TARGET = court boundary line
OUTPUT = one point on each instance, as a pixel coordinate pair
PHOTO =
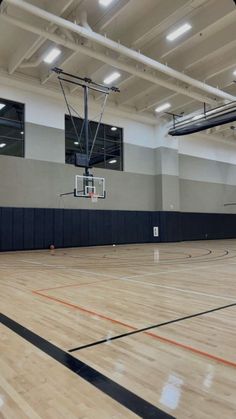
(112, 389)
(145, 331)
(84, 310)
(167, 340)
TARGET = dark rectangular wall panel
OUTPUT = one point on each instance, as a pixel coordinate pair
(58, 228)
(170, 226)
(29, 221)
(48, 227)
(155, 222)
(39, 228)
(18, 229)
(6, 229)
(29, 228)
(67, 228)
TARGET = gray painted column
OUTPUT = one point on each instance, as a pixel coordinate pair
(167, 179)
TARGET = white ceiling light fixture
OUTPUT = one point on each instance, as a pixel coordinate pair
(22, 132)
(113, 161)
(113, 128)
(76, 143)
(113, 76)
(105, 3)
(2, 145)
(234, 73)
(178, 32)
(52, 55)
(2, 105)
(163, 107)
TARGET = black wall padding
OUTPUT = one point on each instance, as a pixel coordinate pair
(170, 226)
(202, 226)
(37, 228)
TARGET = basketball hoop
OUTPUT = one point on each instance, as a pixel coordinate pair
(93, 197)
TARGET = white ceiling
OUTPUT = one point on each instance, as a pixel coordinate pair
(205, 53)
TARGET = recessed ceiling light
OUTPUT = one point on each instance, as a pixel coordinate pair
(163, 107)
(76, 143)
(105, 2)
(113, 76)
(178, 32)
(52, 55)
(113, 128)
(113, 161)
(2, 105)
(2, 145)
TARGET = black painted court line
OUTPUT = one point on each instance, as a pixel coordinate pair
(112, 389)
(144, 329)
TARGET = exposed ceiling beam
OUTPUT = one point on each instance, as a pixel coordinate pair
(133, 91)
(206, 17)
(150, 27)
(161, 18)
(214, 66)
(112, 14)
(31, 84)
(143, 74)
(108, 43)
(32, 44)
(213, 46)
(205, 24)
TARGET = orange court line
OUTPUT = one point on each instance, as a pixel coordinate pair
(153, 335)
(93, 313)
(74, 285)
(194, 350)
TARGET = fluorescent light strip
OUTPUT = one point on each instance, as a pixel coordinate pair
(113, 76)
(2, 145)
(2, 105)
(52, 55)
(178, 32)
(163, 107)
(105, 2)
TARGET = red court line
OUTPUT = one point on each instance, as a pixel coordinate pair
(75, 285)
(153, 335)
(194, 350)
(93, 313)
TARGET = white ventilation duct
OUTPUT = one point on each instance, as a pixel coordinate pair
(120, 49)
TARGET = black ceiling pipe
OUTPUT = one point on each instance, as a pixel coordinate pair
(203, 124)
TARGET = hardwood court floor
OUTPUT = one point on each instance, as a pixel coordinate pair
(82, 299)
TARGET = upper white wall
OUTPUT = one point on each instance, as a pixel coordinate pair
(200, 145)
(41, 109)
(197, 145)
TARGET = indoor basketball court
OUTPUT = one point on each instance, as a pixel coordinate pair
(117, 209)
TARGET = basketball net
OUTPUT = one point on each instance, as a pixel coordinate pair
(93, 197)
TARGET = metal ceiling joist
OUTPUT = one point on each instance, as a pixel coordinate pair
(123, 50)
(113, 62)
(31, 84)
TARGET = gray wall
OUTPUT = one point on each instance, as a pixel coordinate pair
(153, 179)
(206, 185)
(44, 143)
(34, 183)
